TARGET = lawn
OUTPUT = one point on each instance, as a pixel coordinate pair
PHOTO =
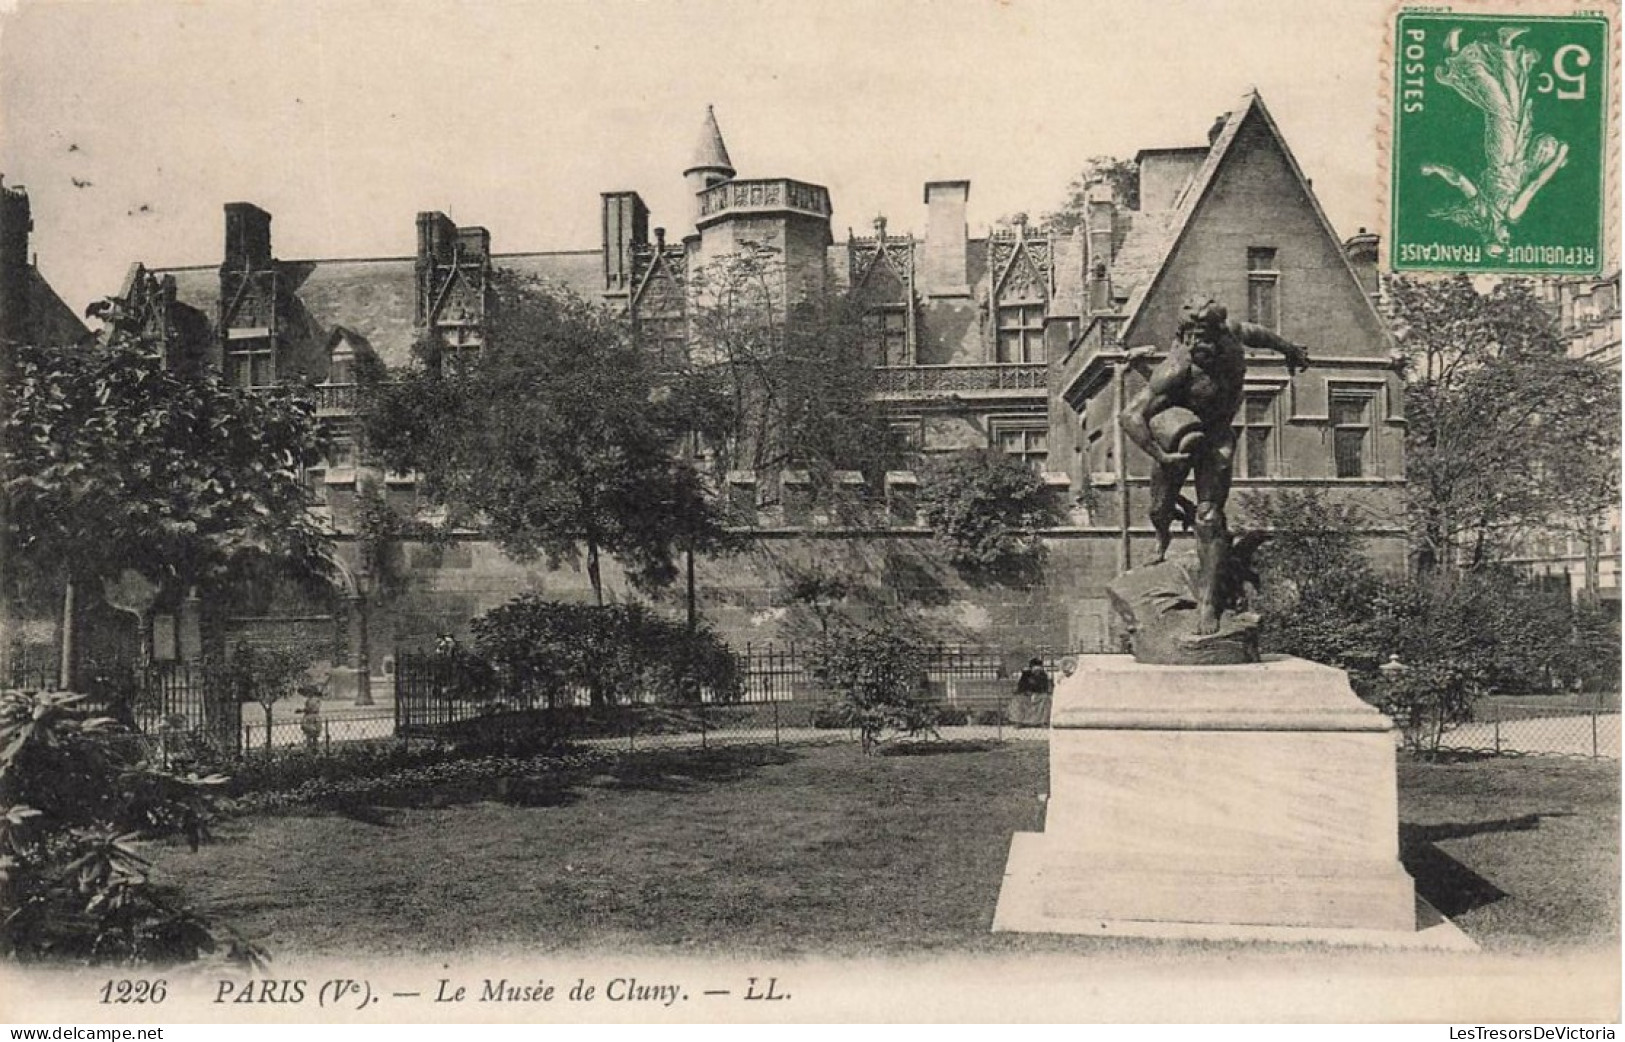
(823, 851)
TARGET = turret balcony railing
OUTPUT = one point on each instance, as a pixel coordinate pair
(961, 379)
(774, 195)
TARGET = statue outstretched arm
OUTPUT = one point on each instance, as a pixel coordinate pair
(1297, 356)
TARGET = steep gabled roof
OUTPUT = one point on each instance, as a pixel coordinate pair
(1190, 200)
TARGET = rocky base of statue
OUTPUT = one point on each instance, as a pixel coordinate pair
(1156, 605)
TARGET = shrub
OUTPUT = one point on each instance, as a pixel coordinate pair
(1425, 701)
(614, 652)
(879, 672)
(77, 797)
(953, 716)
(987, 508)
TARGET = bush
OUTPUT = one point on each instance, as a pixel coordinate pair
(77, 797)
(1425, 701)
(953, 716)
(880, 674)
(987, 508)
(614, 652)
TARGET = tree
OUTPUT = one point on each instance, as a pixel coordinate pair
(1505, 434)
(1317, 589)
(787, 372)
(1123, 175)
(987, 508)
(879, 672)
(113, 462)
(560, 438)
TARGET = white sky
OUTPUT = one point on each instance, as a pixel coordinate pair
(344, 119)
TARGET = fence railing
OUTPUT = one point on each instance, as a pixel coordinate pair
(435, 692)
(163, 700)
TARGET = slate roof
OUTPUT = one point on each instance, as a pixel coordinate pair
(377, 298)
(49, 317)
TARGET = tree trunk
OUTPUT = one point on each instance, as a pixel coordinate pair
(693, 610)
(64, 677)
(593, 575)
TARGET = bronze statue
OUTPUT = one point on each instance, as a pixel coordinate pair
(1182, 419)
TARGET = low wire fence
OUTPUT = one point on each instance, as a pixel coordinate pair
(1532, 729)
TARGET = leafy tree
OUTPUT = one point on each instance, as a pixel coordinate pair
(987, 508)
(613, 652)
(561, 437)
(1506, 435)
(1122, 174)
(1317, 589)
(75, 798)
(879, 672)
(113, 462)
(266, 675)
(787, 373)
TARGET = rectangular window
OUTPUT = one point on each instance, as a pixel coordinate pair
(1021, 333)
(666, 338)
(1351, 433)
(886, 330)
(1255, 429)
(251, 362)
(1027, 443)
(1263, 288)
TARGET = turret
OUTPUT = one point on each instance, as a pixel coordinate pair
(710, 165)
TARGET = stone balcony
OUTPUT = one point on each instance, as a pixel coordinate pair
(773, 195)
(1001, 379)
(334, 399)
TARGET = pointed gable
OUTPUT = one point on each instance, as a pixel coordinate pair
(1250, 193)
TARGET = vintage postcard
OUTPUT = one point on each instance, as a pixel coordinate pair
(1008, 511)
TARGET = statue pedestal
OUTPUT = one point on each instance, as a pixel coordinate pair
(1250, 801)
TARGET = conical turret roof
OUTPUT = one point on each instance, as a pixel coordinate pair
(709, 152)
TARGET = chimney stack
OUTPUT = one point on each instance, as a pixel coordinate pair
(248, 237)
(946, 236)
(1361, 250)
(625, 228)
(16, 221)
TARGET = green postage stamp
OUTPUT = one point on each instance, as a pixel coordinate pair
(1501, 143)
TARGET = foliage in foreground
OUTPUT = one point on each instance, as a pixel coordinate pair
(77, 798)
(879, 674)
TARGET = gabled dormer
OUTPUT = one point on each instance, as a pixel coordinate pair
(252, 302)
(453, 282)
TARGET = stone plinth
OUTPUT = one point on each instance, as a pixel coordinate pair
(1255, 800)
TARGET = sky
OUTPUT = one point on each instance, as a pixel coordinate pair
(131, 124)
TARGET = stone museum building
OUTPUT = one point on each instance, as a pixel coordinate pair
(1010, 338)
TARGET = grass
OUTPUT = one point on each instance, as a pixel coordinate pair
(822, 851)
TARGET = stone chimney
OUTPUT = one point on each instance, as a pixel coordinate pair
(1361, 250)
(16, 222)
(1100, 223)
(946, 238)
(473, 243)
(625, 228)
(437, 241)
(248, 237)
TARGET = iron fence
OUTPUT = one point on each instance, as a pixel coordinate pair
(172, 704)
(437, 695)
